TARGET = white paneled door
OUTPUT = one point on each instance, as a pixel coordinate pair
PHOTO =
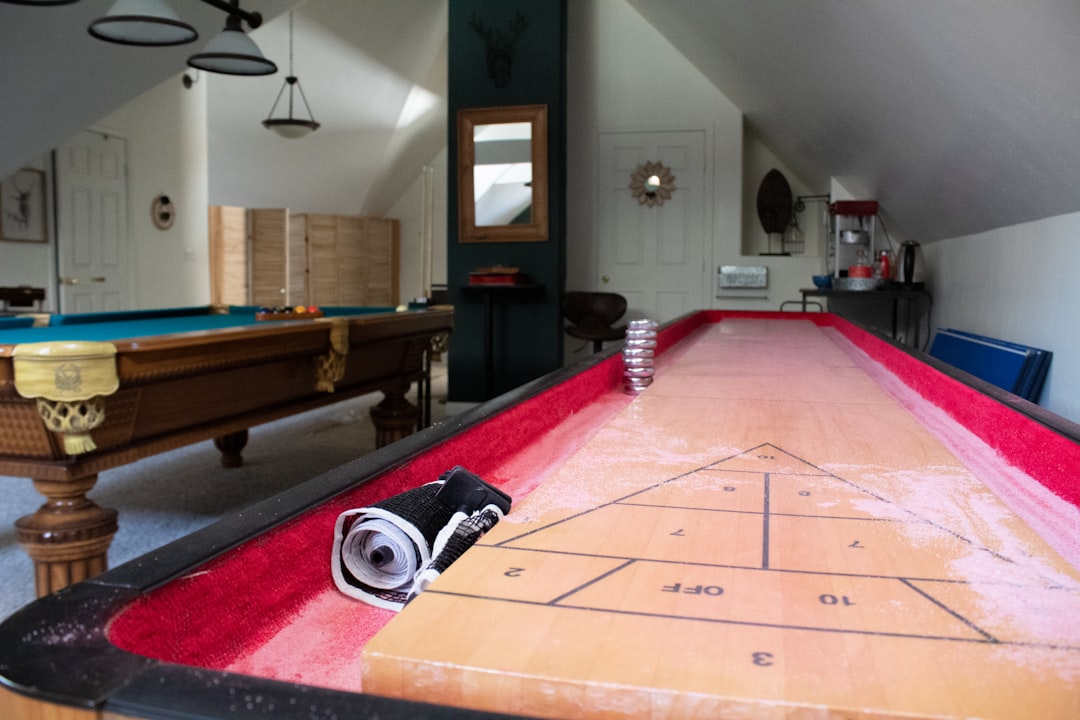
(93, 249)
(654, 256)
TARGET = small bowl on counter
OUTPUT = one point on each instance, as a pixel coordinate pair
(823, 281)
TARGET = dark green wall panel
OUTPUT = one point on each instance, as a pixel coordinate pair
(527, 327)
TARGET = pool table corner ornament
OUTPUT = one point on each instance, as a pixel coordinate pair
(437, 345)
(70, 381)
(331, 366)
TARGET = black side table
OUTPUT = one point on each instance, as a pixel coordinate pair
(494, 294)
(911, 297)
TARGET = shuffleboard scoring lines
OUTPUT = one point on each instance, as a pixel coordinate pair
(761, 468)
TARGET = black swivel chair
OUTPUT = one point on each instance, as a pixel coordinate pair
(592, 316)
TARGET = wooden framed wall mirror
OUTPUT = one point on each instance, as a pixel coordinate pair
(502, 174)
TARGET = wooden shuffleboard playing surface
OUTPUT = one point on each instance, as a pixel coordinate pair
(768, 530)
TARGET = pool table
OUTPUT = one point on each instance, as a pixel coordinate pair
(242, 618)
(82, 393)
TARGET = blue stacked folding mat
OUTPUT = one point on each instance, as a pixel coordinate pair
(1017, 368)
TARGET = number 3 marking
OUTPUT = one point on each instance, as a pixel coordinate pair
(764, 659)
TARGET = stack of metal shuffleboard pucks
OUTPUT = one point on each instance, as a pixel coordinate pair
(638, 352)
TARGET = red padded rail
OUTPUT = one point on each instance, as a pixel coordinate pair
(200, 619)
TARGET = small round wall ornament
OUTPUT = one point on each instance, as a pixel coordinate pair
(162, 212)
(651, 184)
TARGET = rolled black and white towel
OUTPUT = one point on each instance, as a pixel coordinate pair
(387, 553)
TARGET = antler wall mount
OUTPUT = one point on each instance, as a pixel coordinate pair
(500, 46)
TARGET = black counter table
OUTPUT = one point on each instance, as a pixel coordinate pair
(917, 302)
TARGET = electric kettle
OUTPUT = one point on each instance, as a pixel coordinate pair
(909, 251)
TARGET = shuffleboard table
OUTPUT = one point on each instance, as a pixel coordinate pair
(798, 518)
(86, 392)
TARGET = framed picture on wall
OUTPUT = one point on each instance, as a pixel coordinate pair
(22, 206)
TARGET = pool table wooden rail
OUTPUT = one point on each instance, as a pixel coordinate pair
(188, 387)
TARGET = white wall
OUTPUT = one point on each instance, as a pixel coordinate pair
(623, 75)
(165, 130)
(786, 274)
(167, 151)
(34, 264)
(1017, 284)
(758, 160)
(409, 209)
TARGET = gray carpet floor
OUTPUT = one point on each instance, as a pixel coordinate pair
(167, 496)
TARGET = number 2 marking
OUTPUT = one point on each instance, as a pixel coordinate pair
(514, 572)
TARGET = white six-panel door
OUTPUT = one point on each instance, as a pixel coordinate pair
(93, 249)
(654, 256)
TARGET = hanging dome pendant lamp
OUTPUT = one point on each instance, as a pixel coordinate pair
(290, 127)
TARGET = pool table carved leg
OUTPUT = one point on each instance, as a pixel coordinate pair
(394, 417)
(68, 537)
(231, 446)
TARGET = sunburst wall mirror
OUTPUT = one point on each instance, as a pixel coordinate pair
(652, 184)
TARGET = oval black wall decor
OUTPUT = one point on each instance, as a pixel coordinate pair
(774, 201)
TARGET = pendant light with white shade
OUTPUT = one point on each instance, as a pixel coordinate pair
(142, 22)
(232, 53)
(291, 127)
(154, 23)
